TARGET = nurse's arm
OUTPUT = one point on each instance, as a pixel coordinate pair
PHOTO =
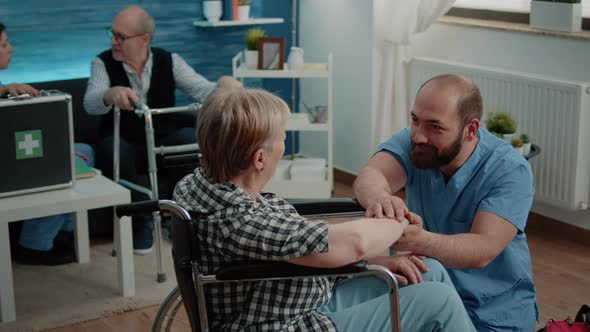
(376, 185)
(489, 235)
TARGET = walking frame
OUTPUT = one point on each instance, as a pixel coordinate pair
(144, 111)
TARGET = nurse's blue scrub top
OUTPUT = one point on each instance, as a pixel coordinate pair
(496, 179)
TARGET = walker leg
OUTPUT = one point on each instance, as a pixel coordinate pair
(158, 244)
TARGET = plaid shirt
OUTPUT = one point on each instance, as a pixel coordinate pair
(236, 228)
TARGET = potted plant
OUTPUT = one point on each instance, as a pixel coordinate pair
(501, 124)
(251, 52)
(526, 144)
(212, 10)
(517, 144)
(243, 10)
(561, 15)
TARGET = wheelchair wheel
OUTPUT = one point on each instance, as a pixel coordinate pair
(172, 316)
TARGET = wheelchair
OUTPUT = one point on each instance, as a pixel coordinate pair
(184, 309)
(152, 192)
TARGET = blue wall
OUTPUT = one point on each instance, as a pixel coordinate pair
(56, 40)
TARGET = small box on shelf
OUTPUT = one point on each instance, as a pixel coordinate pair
(308, 169)
(299, 119)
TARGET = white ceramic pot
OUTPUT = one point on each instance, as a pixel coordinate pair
(295, 59)
(526, 147)
(508, 137)
(244, 13)
(556, 16)
(212, 10)
(520, 150)
(251, 59)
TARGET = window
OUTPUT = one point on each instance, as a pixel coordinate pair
(513, 6)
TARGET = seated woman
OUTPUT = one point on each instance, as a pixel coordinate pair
(241, 133)
(38, 235)
(14, 89)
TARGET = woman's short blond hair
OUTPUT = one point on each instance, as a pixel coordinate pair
(232, 124)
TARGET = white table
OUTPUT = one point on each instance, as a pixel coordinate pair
(90, 193)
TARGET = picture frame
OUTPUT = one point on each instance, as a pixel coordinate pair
(271, 53)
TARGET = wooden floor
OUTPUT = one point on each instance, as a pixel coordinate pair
(561, 268)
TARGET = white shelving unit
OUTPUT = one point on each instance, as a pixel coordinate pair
(252, 21)
(299, 188)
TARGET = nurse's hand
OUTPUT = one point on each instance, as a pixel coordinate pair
(413, 239)
(404, 267)
(387, 206)
(415, 219)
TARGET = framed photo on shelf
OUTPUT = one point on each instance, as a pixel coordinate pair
(271, 53)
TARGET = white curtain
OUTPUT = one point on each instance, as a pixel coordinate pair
(396, 21)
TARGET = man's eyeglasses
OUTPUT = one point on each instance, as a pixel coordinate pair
(119, 37)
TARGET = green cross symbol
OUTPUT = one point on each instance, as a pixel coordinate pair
(29, 144)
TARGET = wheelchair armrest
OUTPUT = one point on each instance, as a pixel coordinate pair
(144, 207)
(132, 209)
(271, 269)
(330, 207)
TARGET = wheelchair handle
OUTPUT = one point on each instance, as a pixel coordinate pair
(132, 209)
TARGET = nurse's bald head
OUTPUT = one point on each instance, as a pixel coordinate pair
(469, 104)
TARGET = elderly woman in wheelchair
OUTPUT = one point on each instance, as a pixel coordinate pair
(241, 135)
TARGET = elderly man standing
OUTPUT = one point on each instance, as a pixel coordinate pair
(132, 72)
(473, 192)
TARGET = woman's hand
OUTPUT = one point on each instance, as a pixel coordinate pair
(17, 89)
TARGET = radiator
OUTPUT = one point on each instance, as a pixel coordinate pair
(555, 113)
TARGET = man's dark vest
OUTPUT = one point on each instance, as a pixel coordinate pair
(160, 94)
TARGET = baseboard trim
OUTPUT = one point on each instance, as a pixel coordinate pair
(538, 224)
(578, 218)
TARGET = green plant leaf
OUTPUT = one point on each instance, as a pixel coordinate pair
(501, 122)
(252, 37)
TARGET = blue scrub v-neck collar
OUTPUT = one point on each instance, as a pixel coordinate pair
(458, 181)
